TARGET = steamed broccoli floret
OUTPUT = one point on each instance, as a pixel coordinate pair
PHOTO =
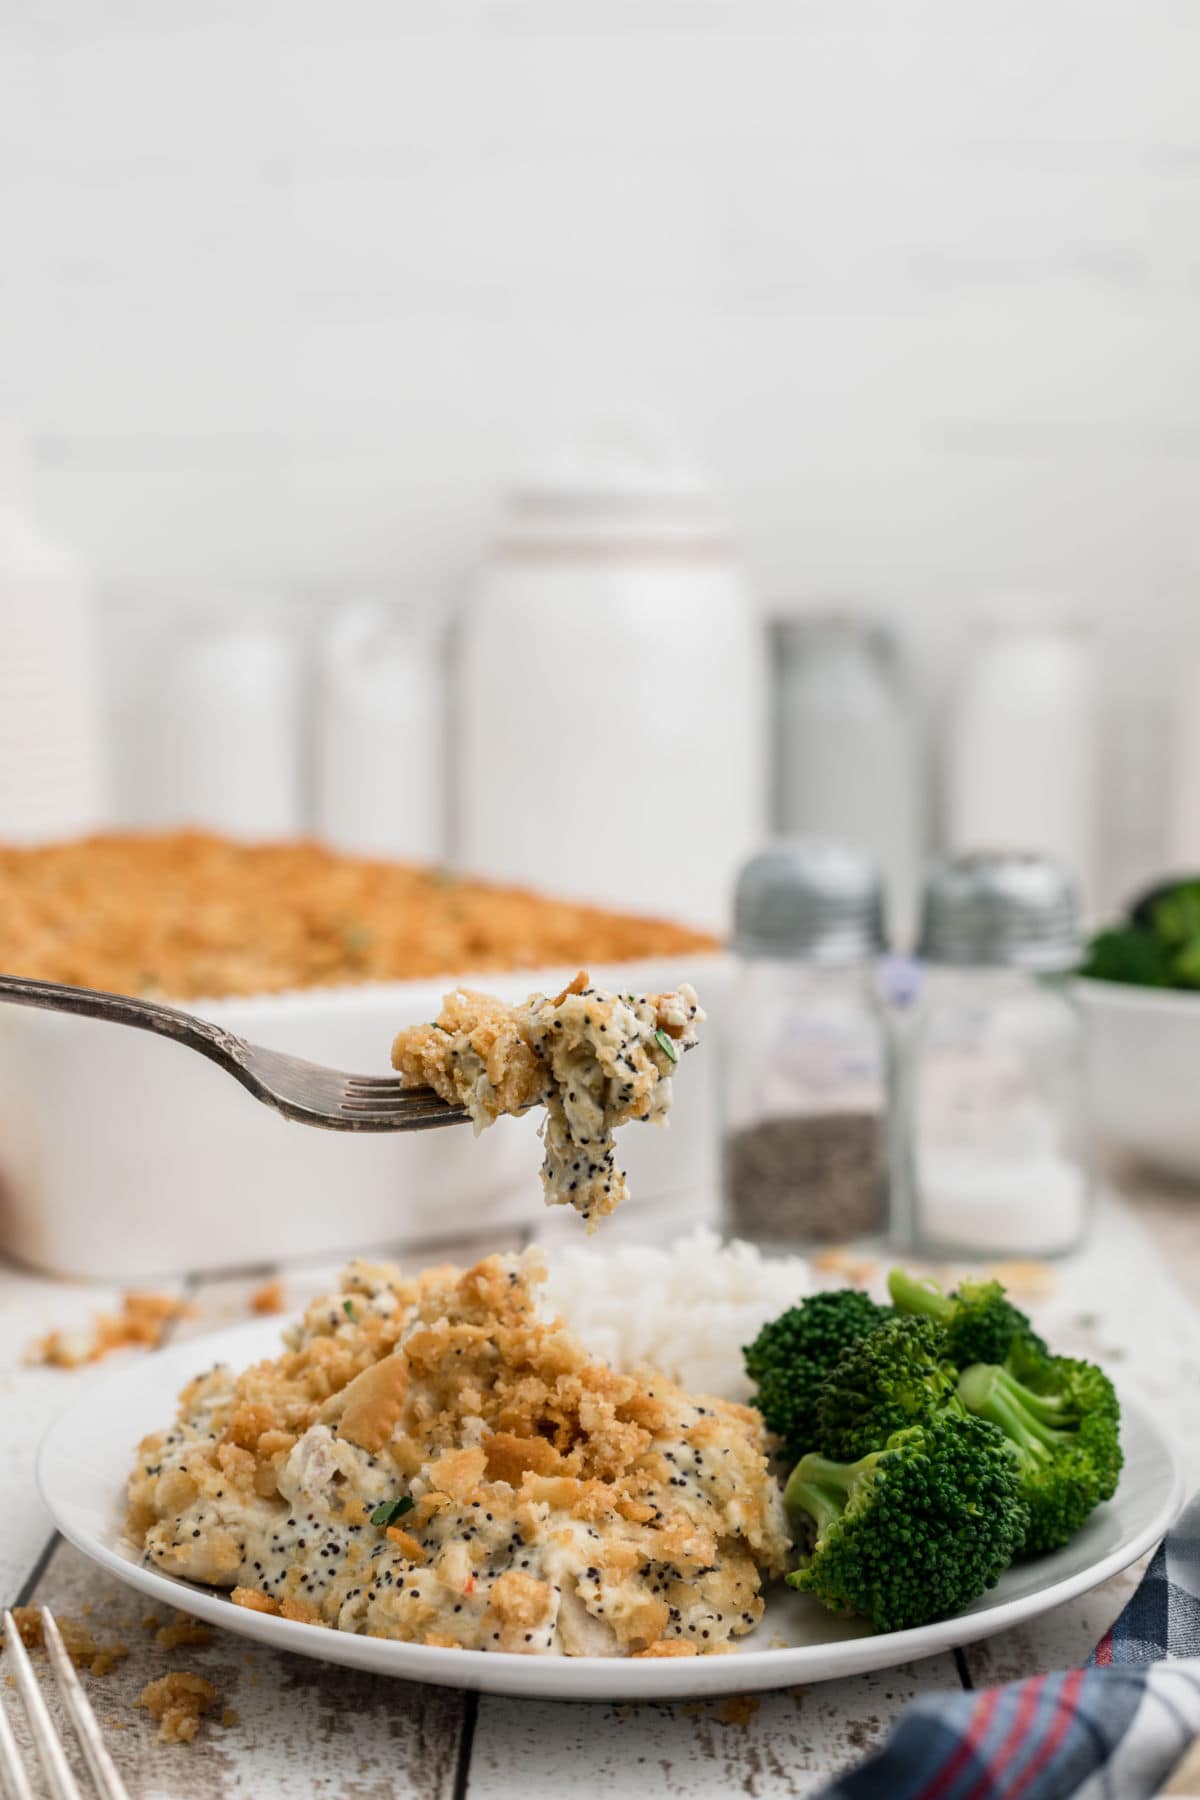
(980, 1321)
(898, 1375)
(1063, 1422)
(914, 1531)
(791, 1356)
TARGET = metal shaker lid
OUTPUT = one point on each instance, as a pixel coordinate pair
(1000, 909)
(812, 900)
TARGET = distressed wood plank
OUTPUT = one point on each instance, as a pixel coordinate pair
(785, 1742)
(1062, 1639)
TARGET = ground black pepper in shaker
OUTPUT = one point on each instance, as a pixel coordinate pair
(806, 1059)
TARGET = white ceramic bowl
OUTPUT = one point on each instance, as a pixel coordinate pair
(1144, 1072)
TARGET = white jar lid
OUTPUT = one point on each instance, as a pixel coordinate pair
(618, 480)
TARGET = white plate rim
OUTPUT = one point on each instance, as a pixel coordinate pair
(563, 1678)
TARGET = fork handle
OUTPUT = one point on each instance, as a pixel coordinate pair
(210, 1040)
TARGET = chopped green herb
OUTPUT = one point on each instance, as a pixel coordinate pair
(358, 938)
(391, 1510)
(665, 1044)
(348, 1308)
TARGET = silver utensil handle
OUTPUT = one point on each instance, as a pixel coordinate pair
(126, 1009)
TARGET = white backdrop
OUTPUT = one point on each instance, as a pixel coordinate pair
(285, 285)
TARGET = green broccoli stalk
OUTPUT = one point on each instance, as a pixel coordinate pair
(913, 1531)
(791, 1356)
(1062, 1423)
(980, 1321)
(896, 1376)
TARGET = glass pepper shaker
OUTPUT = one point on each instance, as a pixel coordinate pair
(995, 1156)
(805, 1057)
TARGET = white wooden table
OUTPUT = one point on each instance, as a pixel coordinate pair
(309, 1728)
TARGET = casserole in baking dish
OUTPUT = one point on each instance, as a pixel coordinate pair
(123, 1156)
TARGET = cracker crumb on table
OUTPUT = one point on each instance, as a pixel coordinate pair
(268, 1298)
(183, 1630)
(738, 1709)
(142, 1322)
(178, 1701)
(78, 1641)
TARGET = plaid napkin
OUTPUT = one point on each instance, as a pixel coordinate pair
(1111, 1731)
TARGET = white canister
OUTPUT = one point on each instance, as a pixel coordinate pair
(845, 760)
(228, 729)
(380, 750)
(1021, 757)
(610, 688)
(53, 761)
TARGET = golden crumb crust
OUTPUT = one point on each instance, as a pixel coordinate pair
(430, 1459)
(186, 914)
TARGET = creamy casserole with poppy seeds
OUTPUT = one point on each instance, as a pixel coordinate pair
(593, 1059)
(431, 1460)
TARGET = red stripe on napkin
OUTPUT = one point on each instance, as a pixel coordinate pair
(967, 1745)
(1018, 1731)
(1057, 1732)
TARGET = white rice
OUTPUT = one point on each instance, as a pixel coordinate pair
(687, 1310)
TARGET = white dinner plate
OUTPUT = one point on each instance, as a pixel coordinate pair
(87, 1454)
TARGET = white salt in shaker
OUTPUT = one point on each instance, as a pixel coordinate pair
(805, 1053)
(993, 1150)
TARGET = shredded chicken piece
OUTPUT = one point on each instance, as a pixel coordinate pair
(594, 1060)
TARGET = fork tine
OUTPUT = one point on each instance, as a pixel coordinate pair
(12, 1769)
(398, 1104)
(95, 1750)
(387, 1084)
(59, 1779)
(392, 1090)
(391, 1109)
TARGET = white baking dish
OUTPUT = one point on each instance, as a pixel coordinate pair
(124, 1156)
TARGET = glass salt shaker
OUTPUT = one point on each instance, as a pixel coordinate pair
(995, 1155)
(806, 1064)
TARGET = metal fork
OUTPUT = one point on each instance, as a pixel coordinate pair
(50, 1748)
(305, 1091)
